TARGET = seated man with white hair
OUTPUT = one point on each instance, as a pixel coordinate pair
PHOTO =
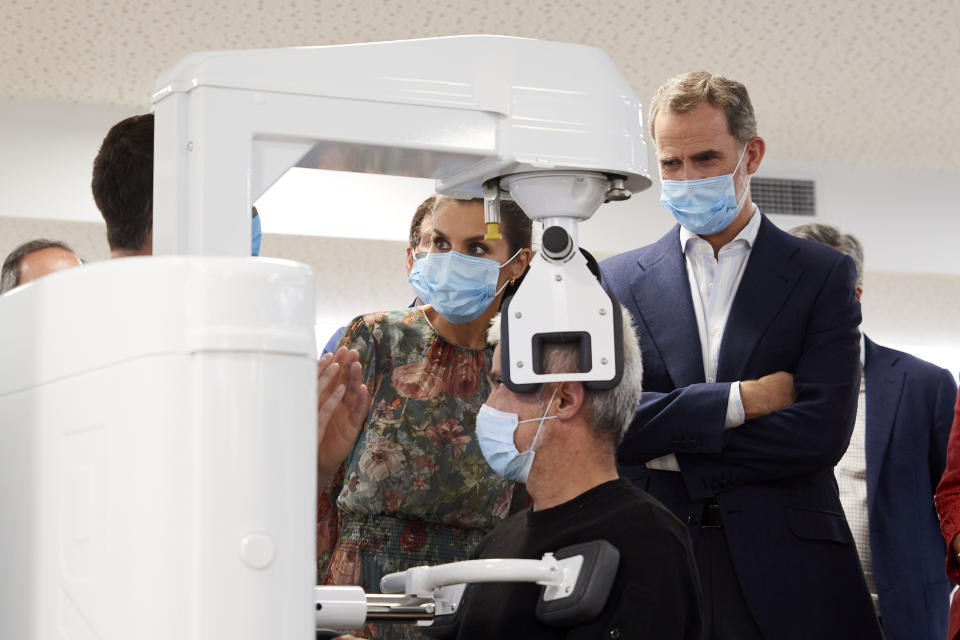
(560, 441)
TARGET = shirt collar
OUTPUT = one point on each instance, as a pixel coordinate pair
(748, 233)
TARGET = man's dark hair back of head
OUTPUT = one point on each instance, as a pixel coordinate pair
(10, 275)
(123, 182)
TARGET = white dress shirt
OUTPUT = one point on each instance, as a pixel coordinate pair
(713, 286)
(851, 474)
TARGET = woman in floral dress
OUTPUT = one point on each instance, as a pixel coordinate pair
(416, 489)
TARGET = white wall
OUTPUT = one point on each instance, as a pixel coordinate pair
(891, 210)
(907, 220)
(900, 215)
(47, 151)
(46, 157)
(902, 310)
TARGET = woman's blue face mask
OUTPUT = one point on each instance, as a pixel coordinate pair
(459, 287)
(707, 205)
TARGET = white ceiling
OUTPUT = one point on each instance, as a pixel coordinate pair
(864, 82)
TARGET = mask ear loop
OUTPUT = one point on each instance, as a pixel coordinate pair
(510, 259)
(537, 437)
(500, 290)
(746, 189)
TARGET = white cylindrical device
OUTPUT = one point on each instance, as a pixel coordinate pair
(340, 607)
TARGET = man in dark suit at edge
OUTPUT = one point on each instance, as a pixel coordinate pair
(890, 472)
(751, 347)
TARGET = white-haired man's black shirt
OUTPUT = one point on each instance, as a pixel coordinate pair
(656, 592)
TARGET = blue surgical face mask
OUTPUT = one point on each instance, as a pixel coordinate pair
(255, 235)
(416, 278)
(495, 431)
(706, 205)
(459, 287)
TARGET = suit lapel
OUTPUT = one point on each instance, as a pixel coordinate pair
(661, 293)
(883, 385)
(768, 279)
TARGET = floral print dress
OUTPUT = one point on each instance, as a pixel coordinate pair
(416, 489)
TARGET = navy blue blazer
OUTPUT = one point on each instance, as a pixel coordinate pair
(909, 414)
(795, 310)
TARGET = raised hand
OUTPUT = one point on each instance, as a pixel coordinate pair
(342, 403)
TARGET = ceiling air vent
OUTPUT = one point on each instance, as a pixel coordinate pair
(783, 196)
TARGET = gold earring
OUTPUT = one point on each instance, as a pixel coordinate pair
(512, 281)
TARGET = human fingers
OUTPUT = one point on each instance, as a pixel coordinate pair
(361, 404)
(326, 410)
(326, 374)
(344, 355)
(356, 391)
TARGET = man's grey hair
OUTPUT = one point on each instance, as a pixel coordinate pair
(831, 236)
(684, 93)
(10, 276)
(610, 411)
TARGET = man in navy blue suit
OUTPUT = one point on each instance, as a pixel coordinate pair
(889, 473)
(750, 349)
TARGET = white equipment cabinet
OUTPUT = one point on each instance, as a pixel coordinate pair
(157, 452)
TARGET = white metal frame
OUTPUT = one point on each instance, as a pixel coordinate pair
(460, 110)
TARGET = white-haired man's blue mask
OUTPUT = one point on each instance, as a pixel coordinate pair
(495, 431)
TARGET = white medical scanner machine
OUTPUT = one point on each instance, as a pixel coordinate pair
(158, 415)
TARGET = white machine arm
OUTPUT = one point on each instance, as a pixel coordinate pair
(419, 593)
(576, 583)
(425, 580)
(422, 593)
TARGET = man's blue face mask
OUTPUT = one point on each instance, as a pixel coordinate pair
(495, 431)
(707, 205)
(459, 287)
(255, 236)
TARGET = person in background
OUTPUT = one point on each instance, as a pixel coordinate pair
(122, 186)
(421, 228)
(889, 473)
(948, 508)
(415, 489)
(35, 259)
(561, 442)
(751, 367)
